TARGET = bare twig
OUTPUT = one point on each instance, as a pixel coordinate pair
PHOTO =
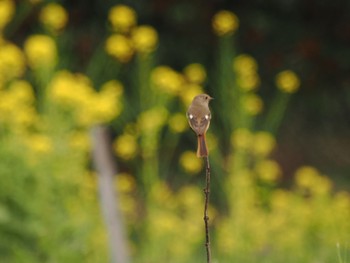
(106, 168)
(206, 217)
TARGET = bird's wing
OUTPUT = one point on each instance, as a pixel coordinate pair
(199, 125)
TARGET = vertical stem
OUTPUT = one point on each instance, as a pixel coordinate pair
(106, 168)
(206, 217)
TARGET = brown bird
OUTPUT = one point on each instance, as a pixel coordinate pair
(199, 116)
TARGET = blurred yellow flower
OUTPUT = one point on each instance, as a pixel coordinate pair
(89, 106)
(190, 162)
(107, 101)
(7, 9)
(163, 223)
(22, 92)
(248, 82)
(79, 140)
(112, 88)
(53, 16)
(12, 62)
(287, 81)
(263, 143)
(178, 122)
(252, 104)
(70, 89)
(309, 178)
(39, 143)
(103, 108)
(342, 200)
(241, 138)
(225, 240)
(195, 73)
(119, 47)
(225, 23)
(40, 51)
(190, 197)
(122, 18)
(152, 119)
(268, 170)
(189, 91)
(167, 79)
(125, 183)
(125, 146)
(244, 64)
(145, 39)
(25, 116)
(7, 104)
(162, 194)
(280, 200)
(305, 176)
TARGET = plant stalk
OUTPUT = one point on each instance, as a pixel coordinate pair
(206, 204)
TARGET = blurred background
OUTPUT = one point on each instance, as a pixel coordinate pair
(278, 141)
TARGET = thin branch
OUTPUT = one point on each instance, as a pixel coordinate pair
(206, 217)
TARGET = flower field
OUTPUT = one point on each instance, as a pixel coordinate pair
(50, 99)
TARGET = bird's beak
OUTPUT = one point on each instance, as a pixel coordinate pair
(211, 98)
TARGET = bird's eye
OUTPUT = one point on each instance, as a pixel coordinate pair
(206, 97)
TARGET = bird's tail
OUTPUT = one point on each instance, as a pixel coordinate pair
(202, 150)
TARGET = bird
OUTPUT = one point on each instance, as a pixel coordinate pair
(199, 116)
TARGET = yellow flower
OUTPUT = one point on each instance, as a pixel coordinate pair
(195, 73)
(70, 89)
(89, 107)
(12, 62)
(225, 23)
(109, 100)
(280, 200)
(22, 92)
(40, 51)
(167, 79)
(145, 39)
(263, 143)
(125, 146)
(24, 117)
(125, 183)
(190, 162)
(244, 64)
(122, 18)
(241, 138)
(119, 47)
(252, 104)
(53, 16)
(112, 88)
(268, 170)
(39, 143)
(79, 140)
(178, 123)
(189, 91)
(7, 104)
(103, 108)
(305, 176)
(308, 178)
(287, 81)
(190, 197)
(248, 82)
(7, 9)
(152, 119)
